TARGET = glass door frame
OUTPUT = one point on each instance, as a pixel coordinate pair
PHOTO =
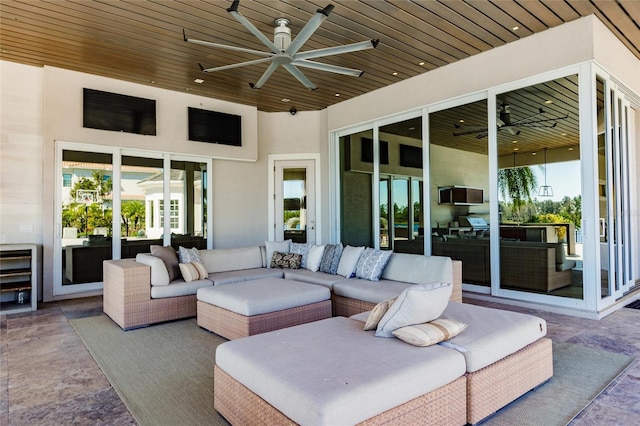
(271, 198)
(116, 153)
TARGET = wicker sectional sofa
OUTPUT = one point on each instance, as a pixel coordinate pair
(138, 292)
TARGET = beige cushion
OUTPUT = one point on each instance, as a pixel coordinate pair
(418, 269)
(376, 314)
(170, 259)
(159, 273)
(349, 260)
(233, 259)
(430, 333)
(193, 271)
(314, 258)
(415, 305)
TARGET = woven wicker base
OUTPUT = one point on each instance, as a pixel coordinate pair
(500, 383)
(233, 326)
(443, 406)
(127, 297)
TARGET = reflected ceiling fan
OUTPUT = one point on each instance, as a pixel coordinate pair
(284, 51)
(513, 127)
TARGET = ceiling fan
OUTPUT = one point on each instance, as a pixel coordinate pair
(284, 51)
(513, 127)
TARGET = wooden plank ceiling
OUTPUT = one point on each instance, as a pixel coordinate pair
(142, 41)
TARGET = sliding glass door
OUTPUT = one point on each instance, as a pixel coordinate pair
(107, 194)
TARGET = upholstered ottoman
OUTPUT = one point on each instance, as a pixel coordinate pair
(257, 306)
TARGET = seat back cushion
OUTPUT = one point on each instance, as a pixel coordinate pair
(418, 269)
(159, 273)
(219, 260)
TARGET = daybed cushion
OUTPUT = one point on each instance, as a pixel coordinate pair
(320, 278)
(230, 277)
(491, 334)
(250, 298)
(332, 372)
(368, 291)
(178, 288)
(159, 273)
(416, 269)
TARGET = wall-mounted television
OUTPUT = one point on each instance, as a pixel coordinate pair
(118, 113)
(215, 127)
(367, 151)
(410, 156)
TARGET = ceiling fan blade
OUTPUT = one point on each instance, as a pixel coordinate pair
(233, 10)
(337, 50)
(265, 76)
(308, 30)
(241, 64)
(511, 130)
(227, 47)
(469, 132)
(326, 67)
(301, 77)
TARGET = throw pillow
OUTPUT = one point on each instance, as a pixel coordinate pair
(192, 271)
(417, 304)
(186, 255)
(285, 260)
(170, 259)
(349, 260)
(377, 313)
(301, 249)
(428, 334)
(372, 263)
(315, 257)
(331, 258)
(272, 246)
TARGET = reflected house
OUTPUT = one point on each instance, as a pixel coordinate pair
(153, 189)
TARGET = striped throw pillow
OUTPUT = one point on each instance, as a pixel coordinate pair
(377, 313)
(193, 271)
(430, 333)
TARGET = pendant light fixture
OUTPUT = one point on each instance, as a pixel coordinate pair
(545, 190)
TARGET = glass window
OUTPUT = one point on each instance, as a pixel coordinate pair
(66, 180)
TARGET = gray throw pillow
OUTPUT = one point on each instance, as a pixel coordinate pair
(301, 249)
(372, 263)
(331, 258)
(186, 255)
(170, 259)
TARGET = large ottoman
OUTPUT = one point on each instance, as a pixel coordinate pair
(332, 372)
(253, 307)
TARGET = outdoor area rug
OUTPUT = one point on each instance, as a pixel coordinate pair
(164, 375)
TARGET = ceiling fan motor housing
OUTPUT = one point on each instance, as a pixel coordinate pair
(282, 34)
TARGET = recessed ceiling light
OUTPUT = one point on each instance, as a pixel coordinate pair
(534, 153)
(152, 81)
(187, 89)
(570, 149)
(548, 101)
(563, 134)
(285, 99)
(514, 142)
(198, 80)
(516, 28)
(516, 149)
(394, 73)
(461, 121)
(412, 128)
(421, 63)
(337, 95)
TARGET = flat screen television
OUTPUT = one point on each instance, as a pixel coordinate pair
(410, 156)
(118, 113)
(367, 151)
(215, 127)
